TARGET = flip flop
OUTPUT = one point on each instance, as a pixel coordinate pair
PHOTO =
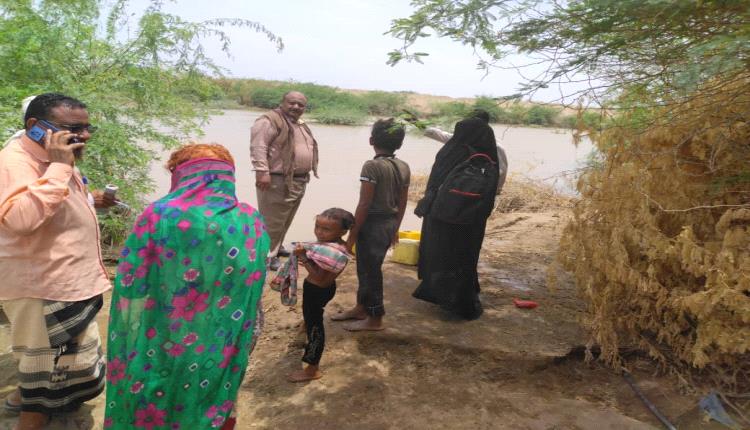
(11, 408)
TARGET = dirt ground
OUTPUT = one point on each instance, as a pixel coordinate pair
(508, 370)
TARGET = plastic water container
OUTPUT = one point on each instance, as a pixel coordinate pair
(406, 252)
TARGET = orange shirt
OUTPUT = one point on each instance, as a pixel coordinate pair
(49, 234)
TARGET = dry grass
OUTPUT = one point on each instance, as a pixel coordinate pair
(520, 194)
(659, 239)
(417, 186)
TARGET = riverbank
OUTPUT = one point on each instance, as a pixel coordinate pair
(331, 105)
(511, 369)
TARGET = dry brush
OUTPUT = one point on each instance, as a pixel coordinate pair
(660, 240)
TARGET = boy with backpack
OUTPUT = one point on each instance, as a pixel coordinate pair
(383, 193)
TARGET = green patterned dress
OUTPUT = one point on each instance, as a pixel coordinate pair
(185, 310)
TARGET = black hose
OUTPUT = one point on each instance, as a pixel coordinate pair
(629, 379)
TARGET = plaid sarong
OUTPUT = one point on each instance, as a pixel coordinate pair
(332, 257)
(66, 320)
(60, 359)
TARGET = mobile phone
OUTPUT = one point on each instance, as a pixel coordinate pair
(37, 133)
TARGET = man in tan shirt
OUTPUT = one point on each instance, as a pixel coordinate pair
(283, 152)
(53, 275)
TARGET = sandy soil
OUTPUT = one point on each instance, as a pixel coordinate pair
(427, 370)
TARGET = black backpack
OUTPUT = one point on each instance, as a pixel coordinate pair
(468, 193)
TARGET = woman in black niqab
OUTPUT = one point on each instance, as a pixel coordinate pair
(449, 253)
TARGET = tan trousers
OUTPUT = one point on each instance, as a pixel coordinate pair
(278, 205)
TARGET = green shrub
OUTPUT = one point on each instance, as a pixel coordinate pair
(569, 121)
(115, 226)
(266, 97)
(541, 115)
(592, 120)
(383, 103)
(324, 97)
(489, 105)
(339, 115)
(513, 114)
(451, 109)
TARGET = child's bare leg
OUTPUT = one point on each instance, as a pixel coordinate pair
(309, 373)
(370, 323)
(356, 313)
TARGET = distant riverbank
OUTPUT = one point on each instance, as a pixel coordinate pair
(331, 105)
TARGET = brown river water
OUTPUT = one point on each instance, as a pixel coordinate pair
(539, 153)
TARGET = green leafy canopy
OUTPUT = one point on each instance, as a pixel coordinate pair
(146, 83)
(666, 48)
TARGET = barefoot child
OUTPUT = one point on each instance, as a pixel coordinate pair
(382, 202)
(324, 261)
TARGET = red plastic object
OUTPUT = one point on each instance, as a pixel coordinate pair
(525, 304)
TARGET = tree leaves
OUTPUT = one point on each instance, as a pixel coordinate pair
(669, 45)
(147, 89)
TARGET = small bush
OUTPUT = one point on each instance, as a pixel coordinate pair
(513, 114)
(383, 103)
(266, 97)
(115, 226)
(339, 115)
(569, 121)
(541, 115)
(452, 109)
(489, 105)
(591, 120)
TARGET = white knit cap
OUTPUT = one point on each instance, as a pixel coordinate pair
(25, 104)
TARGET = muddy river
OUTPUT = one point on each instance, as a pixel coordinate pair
(534, 152)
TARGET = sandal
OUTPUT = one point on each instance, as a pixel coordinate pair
(11, 408)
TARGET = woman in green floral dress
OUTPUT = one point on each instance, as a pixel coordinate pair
(185, 310)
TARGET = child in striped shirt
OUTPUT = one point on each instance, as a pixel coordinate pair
(324, 261)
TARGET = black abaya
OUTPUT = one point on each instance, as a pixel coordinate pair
(449, 253)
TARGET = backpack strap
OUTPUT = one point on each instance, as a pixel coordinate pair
(479, 154)
(474, 154)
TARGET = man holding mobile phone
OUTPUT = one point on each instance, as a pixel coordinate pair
(50, 258)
